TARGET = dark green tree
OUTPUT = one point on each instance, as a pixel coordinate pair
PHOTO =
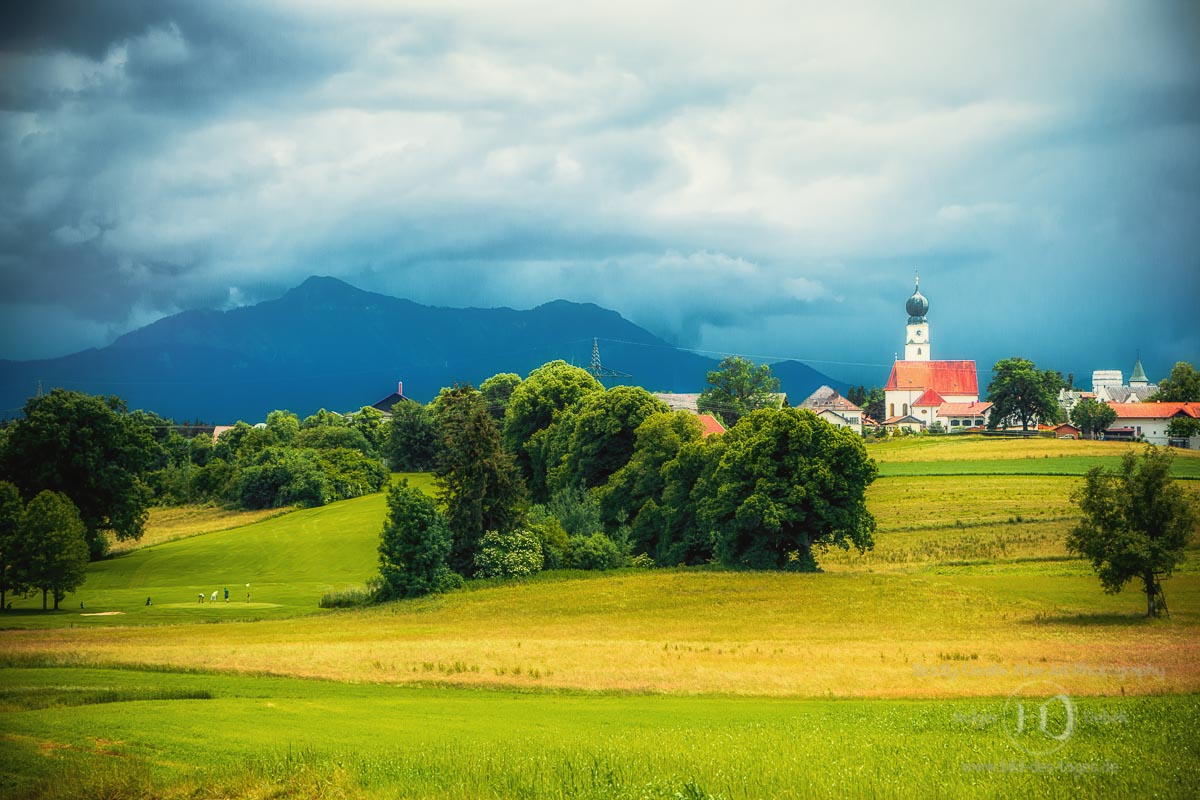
(1136, 523)
(1182, 386)
(53, 546)
(737, 387)
(1020, 392)
(874, 405)
(412, 442)
(91, 450)
(11, 557)
(284, 426)
(784, 483)
(639, 485)
(328, 437)
(682, 537)
(1092, 418)
(413, 546)
(594, 438)
(1183, 427)
(544, 393)
(497, 390)
(478, 482)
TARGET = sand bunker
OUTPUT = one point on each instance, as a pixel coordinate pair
(102, 613)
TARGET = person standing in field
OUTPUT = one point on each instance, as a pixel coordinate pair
(213, 599)
(226, 594)
(201, 600)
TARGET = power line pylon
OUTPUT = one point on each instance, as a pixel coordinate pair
(599, 371)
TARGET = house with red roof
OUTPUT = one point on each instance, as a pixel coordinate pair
(709, 425)
(919, 386)
(1149, 421)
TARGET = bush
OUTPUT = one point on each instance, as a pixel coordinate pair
(642, 561)
(509, 555)
(577, 511)
(551, 536)
(349, 598)
(594, 552)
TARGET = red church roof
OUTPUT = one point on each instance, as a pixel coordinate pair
(944, 377)
(930, 398)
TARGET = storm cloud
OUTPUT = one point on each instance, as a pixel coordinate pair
(765, 180)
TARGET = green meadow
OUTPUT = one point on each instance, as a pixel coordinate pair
(892, 673)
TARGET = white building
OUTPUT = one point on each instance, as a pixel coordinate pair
(1148, 421)
(830, 406)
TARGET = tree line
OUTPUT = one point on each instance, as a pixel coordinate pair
(554, 470)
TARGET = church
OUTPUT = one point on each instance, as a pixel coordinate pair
(921, 391)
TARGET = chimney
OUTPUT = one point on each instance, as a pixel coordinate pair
(400, 388)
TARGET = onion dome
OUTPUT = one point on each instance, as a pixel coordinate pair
(917, 306)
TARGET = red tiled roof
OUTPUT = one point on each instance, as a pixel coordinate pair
(930, 398)
(1155, 410)
(710, 424)
(944, 377)
(963, 409)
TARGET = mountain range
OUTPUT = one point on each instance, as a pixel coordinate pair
(327, 344)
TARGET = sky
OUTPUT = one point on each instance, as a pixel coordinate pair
(755, 178)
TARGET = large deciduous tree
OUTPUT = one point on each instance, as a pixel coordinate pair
(497, 391)
(595, 437)
(478, 481)
(1020, 391)
(785, 482)
(1136, 523)
(533, 404)
(53, 546)
(91, 450)
(11, 561)
(633, 495)
(736, 387)
(1182, 386)
(1092, 417)
(413, 546)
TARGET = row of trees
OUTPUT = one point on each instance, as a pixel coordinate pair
(554, 470)
(114, 464)
(42, 545)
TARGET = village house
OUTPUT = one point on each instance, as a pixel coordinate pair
(1149, 421)
(830, 406)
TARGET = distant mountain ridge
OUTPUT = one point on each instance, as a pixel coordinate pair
(327, 344)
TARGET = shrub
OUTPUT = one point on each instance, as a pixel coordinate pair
(594, 552)
(517, 554)
(577, 511)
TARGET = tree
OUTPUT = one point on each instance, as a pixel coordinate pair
(284, 425)
(1092, 418)
(53, 545)
(545, 392)
(370, 422)
(1021, 392)
(638, 486)
(11, 558)
(785, 482)
(1184, 428)
(413, 546)
(874, 405)
(478, 482)
(594, 438)
(497, 391)
(412, 441)
(1183, 385)
(737, 387)
(91, 450)
(328, 437)
(1136, 522)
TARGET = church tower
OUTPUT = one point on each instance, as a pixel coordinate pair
(916, 346)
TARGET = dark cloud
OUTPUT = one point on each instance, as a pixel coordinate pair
(765, 182)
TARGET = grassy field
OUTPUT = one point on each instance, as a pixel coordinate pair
(168, 524)
(85, 733)
(981, 455)
(890, 670)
